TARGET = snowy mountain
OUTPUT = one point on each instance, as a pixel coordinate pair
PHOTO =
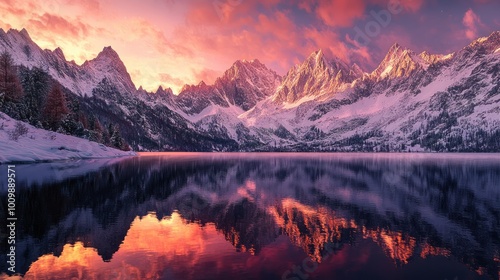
(410, 102)
(416, 102)
(243, 85)
(314, 77)
(80, 79)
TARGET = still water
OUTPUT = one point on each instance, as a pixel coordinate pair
(258, 216)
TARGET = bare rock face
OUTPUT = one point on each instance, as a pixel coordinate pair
(247, 82)
(243, 85)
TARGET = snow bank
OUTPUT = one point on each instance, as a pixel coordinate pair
(42, 145)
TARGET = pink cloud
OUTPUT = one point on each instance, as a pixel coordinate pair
(89, 5)
(206, 75)
(412, 5)
(60, 25)
(340, 13)
(471, 21)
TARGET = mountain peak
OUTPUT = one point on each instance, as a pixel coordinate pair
(490, 43)
(162, 90)
(316, 57)
(316, 76)
(108, 52)
(247, 69)
(398, 62)
(25, 34)
(398, 50)
(59, 53)
(319, 53)
(243, 85)
(252, 63)
(395, 47)
(108, 63)
(356, 70)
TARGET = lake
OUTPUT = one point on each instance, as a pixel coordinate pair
(258, 216)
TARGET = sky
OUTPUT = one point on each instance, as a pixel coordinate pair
(174, 42)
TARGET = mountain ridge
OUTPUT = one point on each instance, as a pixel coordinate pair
(422, 101)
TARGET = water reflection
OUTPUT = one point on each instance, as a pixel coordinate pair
(258, 216)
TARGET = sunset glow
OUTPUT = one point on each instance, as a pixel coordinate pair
(188, 247)
(171, 43)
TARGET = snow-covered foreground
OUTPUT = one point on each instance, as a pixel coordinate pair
(42, 145)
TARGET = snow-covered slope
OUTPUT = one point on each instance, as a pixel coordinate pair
(80, 79)
(36, 144)
(418, 102)
(410, 102)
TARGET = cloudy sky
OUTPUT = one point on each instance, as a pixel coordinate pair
(173, 42)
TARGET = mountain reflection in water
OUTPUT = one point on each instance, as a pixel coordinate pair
(260, 216)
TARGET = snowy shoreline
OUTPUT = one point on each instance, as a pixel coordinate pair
(31, 144)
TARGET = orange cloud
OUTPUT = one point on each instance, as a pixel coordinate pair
(166, 78)
(59, 25)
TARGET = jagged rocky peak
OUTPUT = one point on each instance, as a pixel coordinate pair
(59, 53)
(20, 37)
(434, 58)
(356, 70)
(108, 54)
(242, 69)
(333, 66)
(428, 57)
(316, 76)
(243, 62)
(108, 64)
(247, 82)
(200, 88)
(162, 91)
(399, 62)
(108, 58)
(317, 57)
(23, 33)
(490, 43)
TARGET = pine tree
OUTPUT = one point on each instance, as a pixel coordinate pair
(116, 138)
(97, 128)
(10, 87)
(35, 83)
(83, 120)
(55, 108)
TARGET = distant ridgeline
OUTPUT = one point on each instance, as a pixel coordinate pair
(410, 102)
